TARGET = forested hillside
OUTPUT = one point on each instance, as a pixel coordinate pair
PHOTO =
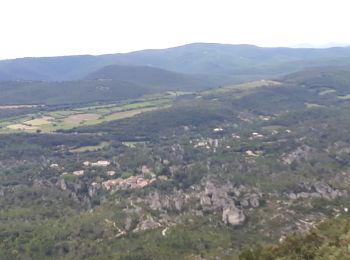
(329, 240)
(223, 173)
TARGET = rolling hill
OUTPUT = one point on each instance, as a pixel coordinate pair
(110, 83)
(150, 77)
(69, 92)
(333, 77)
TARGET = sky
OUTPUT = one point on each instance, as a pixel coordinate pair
(30, 28)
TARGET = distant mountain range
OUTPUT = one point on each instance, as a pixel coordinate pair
(322, 46)
(222, 63)
(193, 67)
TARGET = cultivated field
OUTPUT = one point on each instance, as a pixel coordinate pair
(242, 89)
(50, 121)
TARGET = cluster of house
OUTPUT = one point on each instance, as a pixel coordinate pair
(88, 164)
(134, 182)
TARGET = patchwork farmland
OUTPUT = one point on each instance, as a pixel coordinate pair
(47, 120)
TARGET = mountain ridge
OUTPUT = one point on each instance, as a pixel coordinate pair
(224, 62)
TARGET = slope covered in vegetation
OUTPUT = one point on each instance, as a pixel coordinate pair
(328, 240)
(214, 173)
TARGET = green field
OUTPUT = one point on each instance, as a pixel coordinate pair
(242, 89)
(51, 121)
(91, 148)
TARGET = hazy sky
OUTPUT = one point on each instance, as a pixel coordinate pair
(65, 27)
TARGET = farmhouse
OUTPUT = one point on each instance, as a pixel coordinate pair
(101, 163)
(218, 130)
(250, 153)
(54, 165)
(97, 164)
(78, 173)
(111, 173)
(256, 135)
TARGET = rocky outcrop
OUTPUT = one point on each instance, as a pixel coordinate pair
(302, 153)
(205, 201)
(224, 198)
(317, 190)
(231, 215)
(208, 197)
(93, 189)
(160, 203)
(154, 201)
(254, 201)
(62, 184)
(215, 197)
(128, 223)
(179, 201)
(148, 223)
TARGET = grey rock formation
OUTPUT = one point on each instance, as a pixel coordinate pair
(179, 202)
(205, 200)
(303, 195)
(209, 188)
(254, 201)
(165, 202)
(315, 195)
(148, 223)
(232, 215)
(128, 223)
(322, 188)
(62, 184)
(75, 197)
(292, 196)
(93, 189)
(155, 203)
(302, 153)
(318, 190)
(244, 203)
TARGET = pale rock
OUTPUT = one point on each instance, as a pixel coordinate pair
(254, 201)
(63, 184)
(155, 201)
(303, 195)
(145, 169)
(179, 202)
(148, 223)
(232, 215)
(244, 203)
(128, 223)
(205, 200)
(292, 196)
